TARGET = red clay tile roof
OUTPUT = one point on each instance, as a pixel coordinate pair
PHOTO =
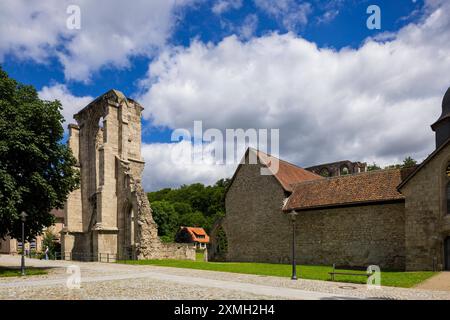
(374, 186)
(288, 173)
(197, 234)
(58, 213)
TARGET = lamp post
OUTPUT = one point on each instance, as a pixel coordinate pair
(293, 215)
(23, 217)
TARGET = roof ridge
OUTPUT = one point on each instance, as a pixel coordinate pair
(334, 162)
(279, 159)
(350, 175)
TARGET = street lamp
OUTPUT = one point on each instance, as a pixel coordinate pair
(293, 214)
(23, 217)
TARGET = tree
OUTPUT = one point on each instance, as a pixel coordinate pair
(166, 218)
(372, 167)
(36, 170)
(195, 206)
(409, 162)
(49, 241)
(194, 219)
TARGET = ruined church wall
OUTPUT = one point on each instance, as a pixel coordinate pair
(110, 212)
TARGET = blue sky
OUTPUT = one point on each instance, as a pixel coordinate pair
(334, 88)
(347, 28)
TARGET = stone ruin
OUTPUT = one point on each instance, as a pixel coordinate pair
(109, 216)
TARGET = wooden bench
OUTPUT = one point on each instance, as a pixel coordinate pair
(334, 272)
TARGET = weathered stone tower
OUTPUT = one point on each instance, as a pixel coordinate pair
(110, 215)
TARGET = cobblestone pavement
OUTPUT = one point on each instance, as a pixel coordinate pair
(117, 281)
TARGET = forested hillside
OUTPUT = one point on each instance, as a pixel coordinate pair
(194, 205)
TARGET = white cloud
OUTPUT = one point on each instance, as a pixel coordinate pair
(112, 31)
(222, 6)
(374, 103)
(290, 13)
(71, 104)
(245, 30)
(327, 17)
(248, 28)
(162, 170)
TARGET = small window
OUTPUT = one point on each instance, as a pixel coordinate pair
(447, 171)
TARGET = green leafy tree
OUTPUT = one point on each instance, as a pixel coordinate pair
(36, 170)
(49, 241)
(195, 205)
(194, 219)
(409, 162)
(166, 218)
(373, 167)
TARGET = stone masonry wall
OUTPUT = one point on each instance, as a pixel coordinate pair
(355, 236)
(254, 224)
(257, 230)
(426, 223)
(110, 213)
(149, 245)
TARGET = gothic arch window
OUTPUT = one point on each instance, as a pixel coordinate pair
(344, 171)
(324, 172)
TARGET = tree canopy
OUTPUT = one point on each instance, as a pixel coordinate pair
(407, 162)
(192, 205)
(36, 170)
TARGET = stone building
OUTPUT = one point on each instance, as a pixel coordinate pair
(396, 218)
(110, 214)
(339, 168)
(13, 246)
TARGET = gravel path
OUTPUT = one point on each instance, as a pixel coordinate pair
(117, 281)
(441, 281)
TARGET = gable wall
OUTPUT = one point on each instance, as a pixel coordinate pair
(426, 224)
(256, 228)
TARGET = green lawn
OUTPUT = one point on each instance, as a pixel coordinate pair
(388, 278)
(199, 256)
(15, 272)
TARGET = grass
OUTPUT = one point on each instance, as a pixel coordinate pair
(388, 278)
(15, 272)
(199, 256)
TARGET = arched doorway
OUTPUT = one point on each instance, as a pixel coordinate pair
(129, 233)
(219, 242)
(447, 254)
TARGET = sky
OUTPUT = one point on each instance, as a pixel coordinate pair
(312, 69)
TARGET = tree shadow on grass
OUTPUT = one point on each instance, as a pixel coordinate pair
(15, 271)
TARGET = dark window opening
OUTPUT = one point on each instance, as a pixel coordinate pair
(344, 171)
(448, 198)
(324, 172)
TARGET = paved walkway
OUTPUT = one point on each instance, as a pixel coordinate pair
(441, 282)
(118, 281)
